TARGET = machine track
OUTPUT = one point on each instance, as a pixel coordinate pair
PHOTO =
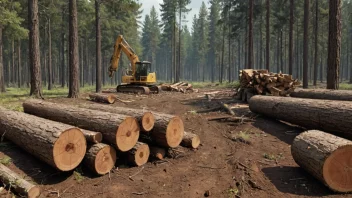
(133, 89)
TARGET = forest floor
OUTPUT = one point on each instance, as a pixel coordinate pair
(234, 160)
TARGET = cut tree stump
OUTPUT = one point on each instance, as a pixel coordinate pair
(168, 130)
(18, 183)
(157, 152)
(323, 94)
(59, 145)
(139, 154)
(110, 99)
(190, 140)
(326, 157)
(119, 130)
(326, 115)
(145, 118)
(100, 158)
(92, 136)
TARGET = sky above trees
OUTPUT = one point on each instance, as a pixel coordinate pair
(195, 5)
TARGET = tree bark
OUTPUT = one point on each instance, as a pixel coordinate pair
(59, 145)
(34, 53)
(139, 154)
(13, 73)
(73, 49)
(290, 53)
(100, 158)
(98, 46)
(190, 140)
(316, 42)
(103, 98)
(92, 137)
(250, 35)
(325, 115)
(19, 68)
(119, 130)
(267, 35)
(18, 183)
(334, 46)
(305, 44)
(50, 72)
(323, 94)
(63, 71)
(326, 157)
(2, 80)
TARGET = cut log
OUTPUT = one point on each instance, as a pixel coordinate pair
(119, 130)
(145, 118)
(190, 140)
(326, 157)
(139, 154)
(110, 99)
(59, 145)
(323, 94)
(92, 136)
(168, 130)
(326, 115)
(157, 152)
(100, 158)
(18, 183)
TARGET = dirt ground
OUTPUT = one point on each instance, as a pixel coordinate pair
(234, 160)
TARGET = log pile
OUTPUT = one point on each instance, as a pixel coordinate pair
(262, 82)
(182, 87)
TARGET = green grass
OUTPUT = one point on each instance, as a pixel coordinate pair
(6, 160)
(345, 86)
(244, 135)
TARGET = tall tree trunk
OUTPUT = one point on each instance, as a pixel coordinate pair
(229, 42)
(351, 53)
(2, 81)
(334, 46)
(316, 42)
(281, 57)
(250, 35)
(261, 42)
(73, 48)
(98, 46)
(19, 67)
(222, 54)
(267, 35)
(13, 80)
(34, 53)
(290, 48)
(63, 72)
(50, 72)
(305, 44)
(178, 69)
(82, 64)
(278, 53)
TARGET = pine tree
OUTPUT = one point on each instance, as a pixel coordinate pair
(73, 49)
(214, 34)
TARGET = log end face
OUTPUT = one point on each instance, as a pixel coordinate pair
(34, 192)
(142, 155)
(111, 99)
(174, 132)
(195, 142)
(148, 121)
(98, 137)
(127, 134)
(337, 170)
(105, 160)
(69, 149)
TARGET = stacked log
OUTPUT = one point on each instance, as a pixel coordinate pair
(18, 183)
(190, 140)
(182, 87)
(100, 158)
(92, 136)
(119, 130)
(323, 94)
(60, 145)
(326, 115)
(103, 98)
(326, 157)
(261, 82)
(139, 154)
(157, 152)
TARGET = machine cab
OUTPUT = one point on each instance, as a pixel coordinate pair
(142, 69)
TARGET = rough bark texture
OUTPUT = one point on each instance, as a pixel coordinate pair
(250, 35)
(73, 51)
(168, 130)
(50, 68)
(63, 72)
(110, 99)
(2, 80)
(119, 130)
(139, 154)
(325, 115)
(190, 140)
(34, 55)
(98, 46)
(316, 30)
(334, 46)
(100, 158)
(326, 157)
(18, 183)
(267, 51)
(136, 113)
(92, 136)
(305, 44)
(290, 48)
(324, 94)
(41, 138)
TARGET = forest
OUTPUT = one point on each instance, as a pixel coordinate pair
(285, 36)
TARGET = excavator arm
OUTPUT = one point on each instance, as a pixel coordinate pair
(121, 45)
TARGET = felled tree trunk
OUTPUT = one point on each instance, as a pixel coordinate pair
(18, 183)
(325, 115)
(100, 158)
(139, 154)
(91, 136)
(119, 130)
(59, 145)
(324, 94)
(157, 152)
(190, 140)
(326, 157)
(110, 99)
(168, 130)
